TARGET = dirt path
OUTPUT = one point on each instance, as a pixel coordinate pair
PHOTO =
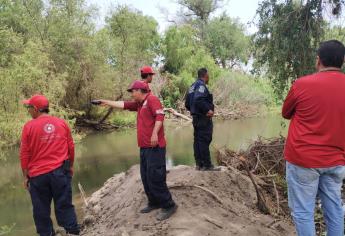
(210, 203)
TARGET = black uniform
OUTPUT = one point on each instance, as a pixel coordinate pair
(199, 101)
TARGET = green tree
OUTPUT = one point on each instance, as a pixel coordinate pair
(200, 9)
(198, 13)
(134, 41)
(289, 32)
(227, 42)
(180, 44)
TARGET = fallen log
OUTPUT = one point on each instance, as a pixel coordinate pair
(177, 114)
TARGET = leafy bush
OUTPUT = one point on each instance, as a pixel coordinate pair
(235, 89)
(176, 87)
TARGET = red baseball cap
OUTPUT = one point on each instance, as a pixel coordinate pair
(147, 70)
(138, 85)
(38, 101)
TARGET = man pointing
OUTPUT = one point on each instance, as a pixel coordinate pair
(151, 140)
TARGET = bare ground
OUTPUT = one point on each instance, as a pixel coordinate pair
(210, 203)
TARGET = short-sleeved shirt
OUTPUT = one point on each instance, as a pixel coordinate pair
(149, 111)
(46, 142)
(200, 99)
(316, 107)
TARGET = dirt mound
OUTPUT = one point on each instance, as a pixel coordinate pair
(210, 203)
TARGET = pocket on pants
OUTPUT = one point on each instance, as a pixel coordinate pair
(304, 176)
(60, 178)
(157, 174)
(338, 174)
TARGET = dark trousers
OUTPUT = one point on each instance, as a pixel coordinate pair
(153, 176)
(56, 186)
(203, 129)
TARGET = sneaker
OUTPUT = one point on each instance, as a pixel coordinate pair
(148, 209)
(211, 168)
(166, 213)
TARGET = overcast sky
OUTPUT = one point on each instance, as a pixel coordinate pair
(242, 9)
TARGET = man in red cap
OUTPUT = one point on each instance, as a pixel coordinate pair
(151, 140)
(147, 74)
(47, 156)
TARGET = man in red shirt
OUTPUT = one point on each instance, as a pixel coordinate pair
(151, 140)
(147, 74)
(315, 146)
(47, 156)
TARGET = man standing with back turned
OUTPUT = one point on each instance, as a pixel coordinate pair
(199, 102)
(47, 156)
(315, 147)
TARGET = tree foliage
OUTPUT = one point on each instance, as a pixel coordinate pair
(179, 44)
(289, 32)
(134, 41)
(200, 9)
(227, 42)
(53, 47)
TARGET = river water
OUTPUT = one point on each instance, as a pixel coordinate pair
(100, 156)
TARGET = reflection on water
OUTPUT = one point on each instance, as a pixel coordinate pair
(103, 155)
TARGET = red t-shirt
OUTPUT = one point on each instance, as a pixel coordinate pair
(149, 112)
(46, 142)
(316, 107)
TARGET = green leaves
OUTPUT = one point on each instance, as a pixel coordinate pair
(227, 42)
(134, 40)
(180, 43)
(286, 41)
(4, 230)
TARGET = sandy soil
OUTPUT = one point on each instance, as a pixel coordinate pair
(210, 203)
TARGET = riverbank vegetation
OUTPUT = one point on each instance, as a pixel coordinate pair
(54, 47)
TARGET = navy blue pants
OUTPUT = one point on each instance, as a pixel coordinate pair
(153, 176)
(56, 186)
(203, 129)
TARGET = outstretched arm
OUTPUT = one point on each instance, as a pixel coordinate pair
(114, 104)
(127, 105)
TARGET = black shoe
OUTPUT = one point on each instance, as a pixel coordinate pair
(166, 213)
(197, 167)
(148, 209)
(211, 168)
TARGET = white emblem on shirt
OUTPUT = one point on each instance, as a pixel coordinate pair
(160, 112)
(49, 128)
(202, 89)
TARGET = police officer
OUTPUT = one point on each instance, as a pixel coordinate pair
(199, 102)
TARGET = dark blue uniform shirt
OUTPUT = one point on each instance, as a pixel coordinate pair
(199, 100)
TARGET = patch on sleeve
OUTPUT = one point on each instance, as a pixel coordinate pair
(160, 112)
(191, 89)
(202, 89)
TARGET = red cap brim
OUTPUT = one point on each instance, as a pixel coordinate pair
(26, 102)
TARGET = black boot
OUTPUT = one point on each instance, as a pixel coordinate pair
(148, 209)
(211, 168)
(197, 167)
(166, 213)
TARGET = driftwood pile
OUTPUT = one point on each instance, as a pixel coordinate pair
(263, 162)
